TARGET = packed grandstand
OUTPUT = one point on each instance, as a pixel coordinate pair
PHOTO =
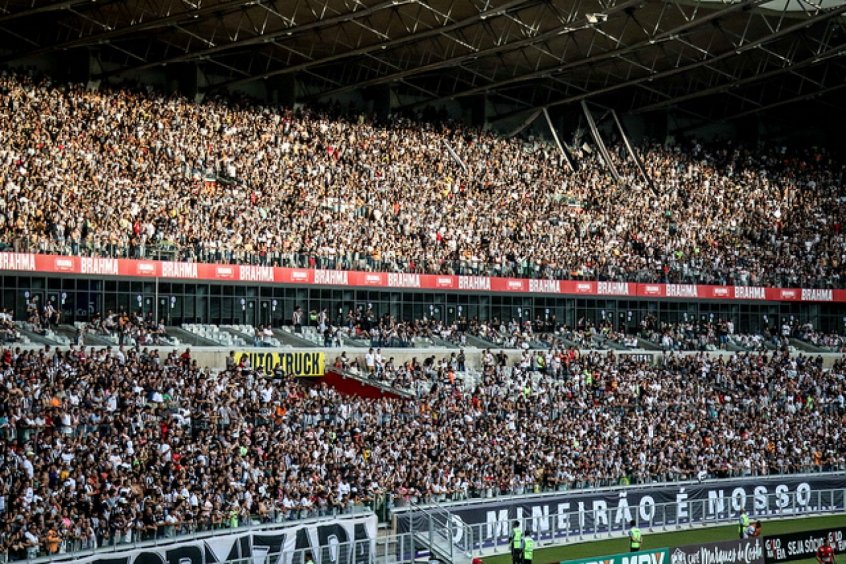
(111, 446)
(129, 172)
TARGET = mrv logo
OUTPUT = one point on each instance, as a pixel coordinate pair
(657, 556)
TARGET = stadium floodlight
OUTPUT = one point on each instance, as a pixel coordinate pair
(596, 18)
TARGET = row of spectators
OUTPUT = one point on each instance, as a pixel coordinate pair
(102, 447)
(131, 172)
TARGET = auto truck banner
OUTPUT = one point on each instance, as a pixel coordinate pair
(799, 546)
(341, 541)
(748, 551)
(578, 512)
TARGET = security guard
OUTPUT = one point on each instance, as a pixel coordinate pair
(743, 524)
(635, 537)
(516, 543)
(528, 548)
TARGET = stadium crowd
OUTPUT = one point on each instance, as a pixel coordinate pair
(111, 446)
(134, 173)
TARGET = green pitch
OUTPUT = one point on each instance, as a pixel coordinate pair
(671, 540)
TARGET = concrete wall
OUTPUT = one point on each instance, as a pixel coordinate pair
(215, 357)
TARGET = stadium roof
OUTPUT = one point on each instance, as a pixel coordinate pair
(711, 58)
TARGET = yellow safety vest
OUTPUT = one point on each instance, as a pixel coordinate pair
(635, 537)
(528, 548)
(517, 543)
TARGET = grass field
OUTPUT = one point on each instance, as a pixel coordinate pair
(670, 540)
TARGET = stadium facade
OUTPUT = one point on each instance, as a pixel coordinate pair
(180, 292)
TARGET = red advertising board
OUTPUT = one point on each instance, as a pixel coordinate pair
(85, 266)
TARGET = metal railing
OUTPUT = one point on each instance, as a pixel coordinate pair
(677, 271)
(478, 539)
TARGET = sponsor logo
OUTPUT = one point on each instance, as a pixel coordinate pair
(310, 364)
(749, 293)
(817, 295)
(652, 290)
(373, 279)
(64, 264)
(515, 284)
(299, 275)
(720, 291)
(179, 270)
(331, 277)
(584, 288)
(620, 288)
(146, 268)
(17, 261)
(256, 273)
(224, 271)
(98, 266)
(547, 286)
(749, 551)
(444, 282)
(403, 280)
(474, 283)
(788, 294)
(682, 291)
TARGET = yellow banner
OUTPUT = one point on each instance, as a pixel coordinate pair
(297, 364)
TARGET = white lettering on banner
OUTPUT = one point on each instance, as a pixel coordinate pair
(444, 282)
(353, 536)
(147, 268)
(817, 295)
(583, 287)
(716, 503)
(545, 286)
(682, 291)
(17, 261)
(299, 275)
(624, 513)
(739, 552)
(749, 293)
(331, 277)
(497, 524)
(619, 288)
(179, 269)
(373, 279)
(652, 290)
(515, 284)
(540, 519)
(403, 280)
(474, 283)
(788, 294)
(224, 271)
(249, 273)
(65, 264)
(647, 558)
(681, 506)
(98, 266)
(721, 291)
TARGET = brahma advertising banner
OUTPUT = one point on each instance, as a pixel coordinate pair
(654, 556)
(168, 270)
(747, 551)
(584, 512)
(799, 546)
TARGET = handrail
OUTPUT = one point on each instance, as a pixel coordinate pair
(533, 497)
(366, 263)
